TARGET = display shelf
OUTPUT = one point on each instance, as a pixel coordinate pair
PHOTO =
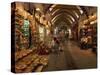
(21, 54)
(31, 63)
(29, 60)
(86, 36)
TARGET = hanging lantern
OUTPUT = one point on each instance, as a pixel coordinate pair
(93, 17)
(37, 15)
(48, 23)
(41, 19)
(45, 22)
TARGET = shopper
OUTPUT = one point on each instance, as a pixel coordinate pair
(56, 45)
(84, 41)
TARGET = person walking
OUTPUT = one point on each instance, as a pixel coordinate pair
(56, 46)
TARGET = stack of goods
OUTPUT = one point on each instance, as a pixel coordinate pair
(29, 61)
(25, 63)
(21, 54)
(21, 30)
(43, 49)
(19, 20)
(86, 37)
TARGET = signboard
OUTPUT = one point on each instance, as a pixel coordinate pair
(25, 28)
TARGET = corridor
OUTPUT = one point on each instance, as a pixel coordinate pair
(53, 37)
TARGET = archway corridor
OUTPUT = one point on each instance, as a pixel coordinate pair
(53, 37)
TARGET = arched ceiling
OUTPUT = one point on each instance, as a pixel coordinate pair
(68, 13)
(71, 12)
(62, 19)
(65, 13)
(62, 16)
(67, 7)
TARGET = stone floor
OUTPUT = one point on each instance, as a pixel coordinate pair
(71, 58)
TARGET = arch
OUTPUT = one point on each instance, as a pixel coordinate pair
(62, 14)
(59, 17)
(67, 12)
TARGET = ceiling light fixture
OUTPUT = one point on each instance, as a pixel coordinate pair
(38, 9)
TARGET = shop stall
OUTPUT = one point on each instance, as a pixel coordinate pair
(88, 33)
(31, 53)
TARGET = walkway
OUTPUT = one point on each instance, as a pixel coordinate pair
(71, 58)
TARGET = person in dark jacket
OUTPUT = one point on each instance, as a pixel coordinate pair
(56, 45)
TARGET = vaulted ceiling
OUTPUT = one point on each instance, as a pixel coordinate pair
(67, 13)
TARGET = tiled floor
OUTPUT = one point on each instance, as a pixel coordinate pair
(71, 58)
